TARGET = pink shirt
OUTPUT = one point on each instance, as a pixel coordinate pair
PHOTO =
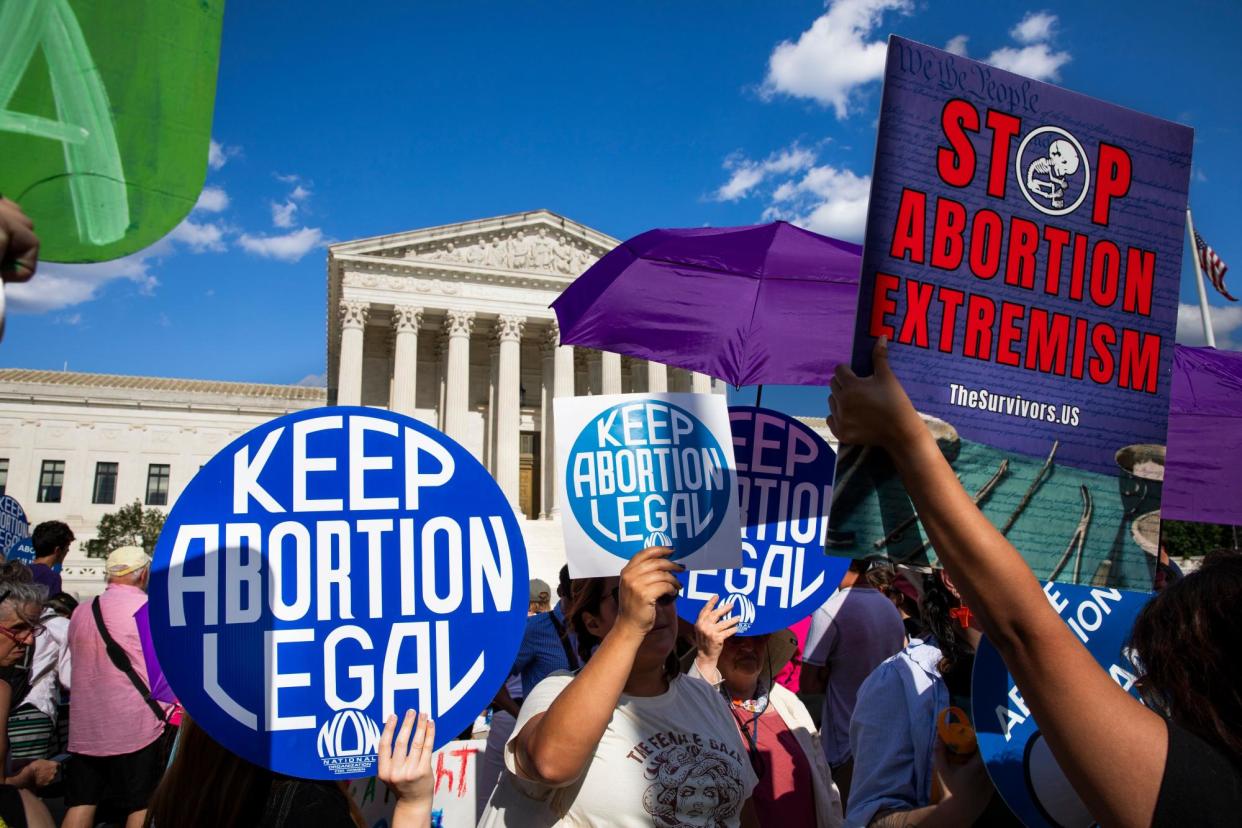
(790, 676)
(108, 716)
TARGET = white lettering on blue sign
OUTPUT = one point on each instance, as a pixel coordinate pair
(370, 564)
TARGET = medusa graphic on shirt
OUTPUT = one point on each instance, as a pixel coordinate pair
(1053, 171)
(692, 787)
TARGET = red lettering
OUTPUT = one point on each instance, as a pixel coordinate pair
(914, 328)
(951, 300)
(1140, 361)
(947, 242)
(1103, 338)
(1056, 238)
(1008, 333)
(1114, 180)
(1020, 264)
(910, 232)
(1080, 348)
(1078, 267)
(980, 314)
(883, 304)
(985, 244)
(1047, 342)
(1105, 273)
(1140, 275)
(956, 162)
(1004, 128)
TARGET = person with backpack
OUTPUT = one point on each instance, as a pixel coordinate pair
(116, 729)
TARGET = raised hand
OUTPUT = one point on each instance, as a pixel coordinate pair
(19, 246)
(405, 767)
(714, 626)
(645, 580)
(872, 410)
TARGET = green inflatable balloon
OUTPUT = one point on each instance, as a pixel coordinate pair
(105, 118)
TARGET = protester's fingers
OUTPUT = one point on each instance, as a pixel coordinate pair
(385, 748)
(14, 211)
(879, 358)
(429, 744)
(401, 749)
(650, 586)
(707, 612)
(835, 386)
(729, 623)
(420, 741)
(843, 374)
(834, 409)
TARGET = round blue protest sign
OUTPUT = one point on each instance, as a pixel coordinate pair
(23, 550)
(784, 483)
(1013, 749)
(327, 569)
(648, 473)
(14, 526)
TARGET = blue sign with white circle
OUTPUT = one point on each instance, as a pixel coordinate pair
(1013, 749)
(23, 550)
(647, 473)
(330, 568)
(14, 526)
(784, 484)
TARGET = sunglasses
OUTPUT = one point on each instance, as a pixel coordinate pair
(663, 601)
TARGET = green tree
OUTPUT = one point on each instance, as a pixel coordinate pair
(128, 526)
(1184, 539)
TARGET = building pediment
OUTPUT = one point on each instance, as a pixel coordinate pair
(539, 242)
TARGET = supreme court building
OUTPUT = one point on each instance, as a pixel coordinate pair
(448, 324)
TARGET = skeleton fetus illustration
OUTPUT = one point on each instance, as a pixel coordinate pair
(1046, 177)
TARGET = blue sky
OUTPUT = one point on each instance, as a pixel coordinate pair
(334, 124)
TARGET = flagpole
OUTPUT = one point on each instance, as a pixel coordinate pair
(1203, 302)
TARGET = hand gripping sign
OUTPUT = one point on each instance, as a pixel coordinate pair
(1015, 753)
(784, 483)
(639, 470)
(327, 569)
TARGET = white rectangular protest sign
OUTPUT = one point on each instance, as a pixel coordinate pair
(639, 470)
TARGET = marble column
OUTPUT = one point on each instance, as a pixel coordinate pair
(700, 383)
(595, 375)
(564, 372)
(610, 373)
(457, 382)
(406, 320)
(657, 377)
(508, 400)
(547, 389)
(349, 374)
(719, 386)
(489, 436)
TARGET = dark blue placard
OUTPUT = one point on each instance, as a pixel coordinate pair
(435, 579)
(1016, 755)
(13, 523)
(784, 472)
(23, 550)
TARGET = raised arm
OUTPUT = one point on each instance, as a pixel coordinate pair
(555, 746)
(1111, 748)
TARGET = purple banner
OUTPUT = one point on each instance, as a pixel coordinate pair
(1023, 255)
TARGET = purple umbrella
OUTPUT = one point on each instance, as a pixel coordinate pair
(160, 691)
(766, 304)
(1203, 472)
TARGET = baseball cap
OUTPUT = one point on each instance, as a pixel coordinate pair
(539, 590)
(126, 559)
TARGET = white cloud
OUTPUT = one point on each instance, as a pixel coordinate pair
(313, 381)
(957, 45)
(291, 178)
(200, 237)
(299, 193)
(747, 174)
(1038, 61)
(212, 200)
(57, 286)
(835, 56)
(827, 200)
(282, 214)
(289, 247)
(218, 154)
(1226, 321)
(1036, 27)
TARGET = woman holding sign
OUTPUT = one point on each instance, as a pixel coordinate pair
(627, 740)
(795, 782)
(1111, 747)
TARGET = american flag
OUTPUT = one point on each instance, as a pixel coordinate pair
(1213, 267)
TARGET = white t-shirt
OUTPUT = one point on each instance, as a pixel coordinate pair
(672, 761)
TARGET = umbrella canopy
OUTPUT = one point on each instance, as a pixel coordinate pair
(1203, 472)
(765, 304)
(156, 681)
